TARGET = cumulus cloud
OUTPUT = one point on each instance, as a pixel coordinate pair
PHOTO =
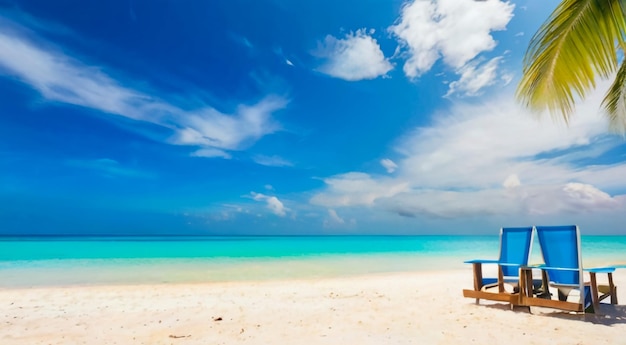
(63, 79)
(272, 203)
(475, 77)
(472, 159)
(570, 198)
(355, 57)
(486, 143)
(455, 31)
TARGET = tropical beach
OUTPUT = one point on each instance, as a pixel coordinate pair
(283, 290)
(312, 172)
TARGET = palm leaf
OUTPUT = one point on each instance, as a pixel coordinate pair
(575, 45)
(614, 102)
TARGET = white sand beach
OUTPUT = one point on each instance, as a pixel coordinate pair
(399, 308)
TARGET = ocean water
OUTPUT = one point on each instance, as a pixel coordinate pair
(52, 261)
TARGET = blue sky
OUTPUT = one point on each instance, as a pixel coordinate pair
(289, 117)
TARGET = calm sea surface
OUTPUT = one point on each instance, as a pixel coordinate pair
(122, 260)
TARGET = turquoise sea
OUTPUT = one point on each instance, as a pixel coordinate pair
(45, 261)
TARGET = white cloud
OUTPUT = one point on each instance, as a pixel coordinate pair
(60, 78)
(570, 198)
(272, 202)
(472, 159)
(209, 127)
(474, 78)
(485, 143)
(272, 161)
(335, 218)
(511, 181)
(210, 153)
(334, 221)
(457, 32)
(357, 189)
(358, 56)
(559, 199)
(389, 165)
(454, 30)
(506, 78)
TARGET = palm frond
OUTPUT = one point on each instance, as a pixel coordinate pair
(575, 45)
(614, 102)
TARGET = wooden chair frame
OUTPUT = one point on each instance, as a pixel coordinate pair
(480, 290)
(527, 296)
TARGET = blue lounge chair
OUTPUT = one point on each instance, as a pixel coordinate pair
(515, 246)
(563, 270)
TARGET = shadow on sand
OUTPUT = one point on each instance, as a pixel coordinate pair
(609, 314)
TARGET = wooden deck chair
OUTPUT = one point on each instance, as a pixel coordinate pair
(563, 271)
(515, 246)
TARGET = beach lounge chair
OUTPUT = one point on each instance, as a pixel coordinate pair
(563, 271)
(515, 246)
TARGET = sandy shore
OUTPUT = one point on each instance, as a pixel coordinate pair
(407, 308)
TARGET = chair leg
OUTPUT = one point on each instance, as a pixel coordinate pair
(478, 278)
(594, 291)
(612, 289)
(500, 280)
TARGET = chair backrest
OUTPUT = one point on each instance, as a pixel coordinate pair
(560, 247)
(515, 245)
